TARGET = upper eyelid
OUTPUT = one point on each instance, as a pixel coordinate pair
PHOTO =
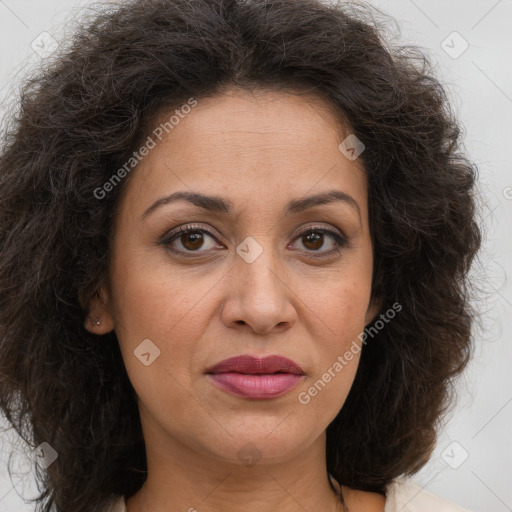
(188, 227)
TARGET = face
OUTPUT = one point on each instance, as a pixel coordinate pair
(258, 269)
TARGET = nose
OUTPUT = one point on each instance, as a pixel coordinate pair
(259, 296)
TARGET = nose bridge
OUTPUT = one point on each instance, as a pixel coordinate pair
(258, 269)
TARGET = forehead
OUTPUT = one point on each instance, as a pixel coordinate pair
(246, 119)
(266, 144)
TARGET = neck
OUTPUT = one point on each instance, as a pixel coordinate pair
(180, 479)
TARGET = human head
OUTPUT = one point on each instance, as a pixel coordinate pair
(85, 117)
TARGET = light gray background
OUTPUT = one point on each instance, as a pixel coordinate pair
(480, 84)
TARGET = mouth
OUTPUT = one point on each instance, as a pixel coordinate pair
(256, 378)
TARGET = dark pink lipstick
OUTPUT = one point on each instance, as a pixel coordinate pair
(258, 378)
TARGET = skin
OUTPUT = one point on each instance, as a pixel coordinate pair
(258, 150)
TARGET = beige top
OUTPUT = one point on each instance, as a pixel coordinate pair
(401, 496)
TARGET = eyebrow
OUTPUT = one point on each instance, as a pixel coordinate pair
(220, 205)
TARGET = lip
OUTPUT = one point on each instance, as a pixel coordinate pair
(247, 376)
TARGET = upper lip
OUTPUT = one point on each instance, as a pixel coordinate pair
(252, 365)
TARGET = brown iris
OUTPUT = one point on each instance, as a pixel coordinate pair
(315, 240)
(193, 240)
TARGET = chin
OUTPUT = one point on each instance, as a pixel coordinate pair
(274, 446)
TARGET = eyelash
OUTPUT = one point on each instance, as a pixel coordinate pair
(340, 240)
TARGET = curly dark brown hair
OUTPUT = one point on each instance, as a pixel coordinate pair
(81, 118)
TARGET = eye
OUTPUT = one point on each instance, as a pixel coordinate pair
(313, 238)
(191, 239)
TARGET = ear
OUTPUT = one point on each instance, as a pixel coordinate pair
(99, 319)
(373, 309)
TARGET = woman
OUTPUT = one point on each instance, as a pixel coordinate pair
(235, 240)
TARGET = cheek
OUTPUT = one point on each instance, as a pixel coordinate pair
(341, 306)
(339, 348)
(172, 316)
(157, 299)
(163, 307)
(338, 311)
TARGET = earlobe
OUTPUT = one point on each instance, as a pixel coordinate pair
(99, 319)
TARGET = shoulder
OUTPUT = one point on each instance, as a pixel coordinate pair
(405, 496)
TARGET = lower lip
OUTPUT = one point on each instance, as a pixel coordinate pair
(256, 386)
